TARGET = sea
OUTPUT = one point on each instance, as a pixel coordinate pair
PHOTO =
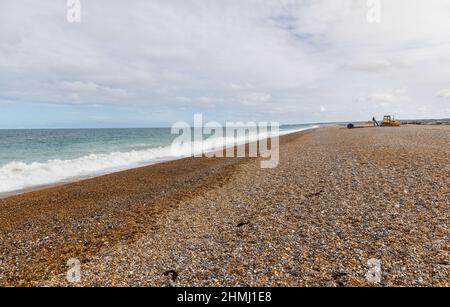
(39, 157)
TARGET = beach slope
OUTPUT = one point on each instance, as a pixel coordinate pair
(338, 198)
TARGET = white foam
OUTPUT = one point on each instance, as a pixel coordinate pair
(19, 175)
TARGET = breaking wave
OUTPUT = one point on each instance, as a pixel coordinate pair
(19, 175)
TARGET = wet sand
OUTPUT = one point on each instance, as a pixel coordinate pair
(338, 198)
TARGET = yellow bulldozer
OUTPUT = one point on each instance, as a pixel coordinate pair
(390, 121)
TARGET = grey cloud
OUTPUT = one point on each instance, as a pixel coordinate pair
(281, 59)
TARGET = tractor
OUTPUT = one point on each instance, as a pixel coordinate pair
(390, 121)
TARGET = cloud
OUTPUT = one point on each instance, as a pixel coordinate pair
(91, 89)
(256, 98)
(239, 87)
(374, 66)
(183, 99)
(385, 98)
(275, 59)
(444, 94)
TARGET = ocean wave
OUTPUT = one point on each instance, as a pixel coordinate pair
(19, 175)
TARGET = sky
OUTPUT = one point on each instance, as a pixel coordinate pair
(144, 63)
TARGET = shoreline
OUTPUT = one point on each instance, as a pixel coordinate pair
(69, 180)
(157, 185)
(338, 198)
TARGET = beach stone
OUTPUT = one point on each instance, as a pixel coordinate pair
(335, 201)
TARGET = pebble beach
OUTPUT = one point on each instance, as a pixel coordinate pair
(338, 198)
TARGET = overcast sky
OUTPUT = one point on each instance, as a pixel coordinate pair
(154, 62)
